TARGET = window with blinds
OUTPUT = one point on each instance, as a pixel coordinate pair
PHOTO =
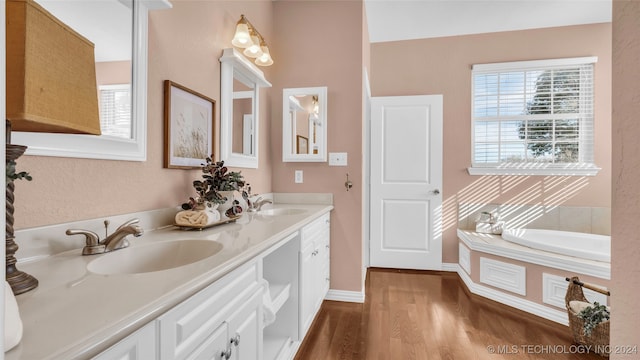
(533, 114)
(115, 110)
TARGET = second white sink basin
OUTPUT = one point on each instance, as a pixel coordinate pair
(154, 257)
(281, 211)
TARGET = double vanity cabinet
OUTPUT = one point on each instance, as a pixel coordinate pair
(221, 321)
(258, 305)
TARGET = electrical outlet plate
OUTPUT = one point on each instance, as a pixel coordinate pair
(298, 177)
(338, 159)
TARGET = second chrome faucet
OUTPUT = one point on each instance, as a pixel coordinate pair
(117, 240)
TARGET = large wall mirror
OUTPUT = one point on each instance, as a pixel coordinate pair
(240, 83)
(304, 124)
(118, 29)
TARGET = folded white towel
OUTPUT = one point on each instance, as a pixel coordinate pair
(269, 315)
(197, 217)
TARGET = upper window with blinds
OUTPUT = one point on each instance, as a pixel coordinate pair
(533, 117)
(115, 110)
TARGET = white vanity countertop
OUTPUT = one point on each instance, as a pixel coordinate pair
(74, 313)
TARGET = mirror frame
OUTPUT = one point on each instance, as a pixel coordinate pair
(287, 140)
(108, 147)
(235, 66)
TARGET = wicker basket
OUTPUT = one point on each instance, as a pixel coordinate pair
(598, 341)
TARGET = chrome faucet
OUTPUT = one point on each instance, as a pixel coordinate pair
(117, 240)
(257, 204)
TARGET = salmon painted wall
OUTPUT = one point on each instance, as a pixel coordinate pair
(113, 72)
(185, 44)
(319, 43)
(443, 66)
(625, 250)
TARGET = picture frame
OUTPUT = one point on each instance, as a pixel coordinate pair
(302, 144)
(188, 127)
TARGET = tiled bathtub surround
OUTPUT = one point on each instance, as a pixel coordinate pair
(593, 220)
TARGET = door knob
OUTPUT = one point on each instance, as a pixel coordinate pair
(436, 192)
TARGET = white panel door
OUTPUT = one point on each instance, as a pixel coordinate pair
(406, 182)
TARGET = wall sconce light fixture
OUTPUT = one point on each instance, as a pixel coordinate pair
(248, 38)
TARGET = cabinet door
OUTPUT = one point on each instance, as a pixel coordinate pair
(306, 289)
(314, 269)
(140, 345)
(324, 261)
(215, 347)
(245, 330)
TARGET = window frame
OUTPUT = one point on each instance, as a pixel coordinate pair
(581, 168)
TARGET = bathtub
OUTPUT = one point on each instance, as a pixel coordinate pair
(586, 246)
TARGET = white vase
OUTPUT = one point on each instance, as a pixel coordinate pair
(230, 195)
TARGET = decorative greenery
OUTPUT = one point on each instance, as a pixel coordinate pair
(216, 178)
(13, 175)
(592, 316)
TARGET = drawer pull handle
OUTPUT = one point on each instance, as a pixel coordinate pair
(226, 354)
(236, 340)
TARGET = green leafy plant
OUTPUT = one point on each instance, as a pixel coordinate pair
(215, 178)
(592, 316)
(13, 175)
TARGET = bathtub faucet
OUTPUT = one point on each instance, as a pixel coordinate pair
(488, 223)
(484, 214)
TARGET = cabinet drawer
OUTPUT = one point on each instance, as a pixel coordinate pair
(317, 229)
(187, 325)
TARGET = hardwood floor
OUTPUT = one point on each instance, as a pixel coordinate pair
(430, 315)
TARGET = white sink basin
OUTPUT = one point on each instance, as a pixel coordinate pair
(281, 211)
(154, 257)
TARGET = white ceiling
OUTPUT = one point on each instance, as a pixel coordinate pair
(392, 20)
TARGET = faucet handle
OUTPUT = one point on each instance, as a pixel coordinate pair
(91, 238)
(92, 241)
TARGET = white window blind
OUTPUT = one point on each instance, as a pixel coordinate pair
(115, 110)
(533, 115)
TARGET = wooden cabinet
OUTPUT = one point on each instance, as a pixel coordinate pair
(314, 259)
(140, 345)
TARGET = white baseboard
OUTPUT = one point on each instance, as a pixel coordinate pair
(451, 267)
(514, 301)
(346, 296)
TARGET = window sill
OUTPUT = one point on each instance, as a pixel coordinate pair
(537, 169)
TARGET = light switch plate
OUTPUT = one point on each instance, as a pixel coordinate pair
(299, 177)
(338, 159)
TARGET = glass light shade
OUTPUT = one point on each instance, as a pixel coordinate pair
(254, 50)
(264, 59)
(242, 39)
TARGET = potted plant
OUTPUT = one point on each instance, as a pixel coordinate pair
(592, 316)
(217, 187)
